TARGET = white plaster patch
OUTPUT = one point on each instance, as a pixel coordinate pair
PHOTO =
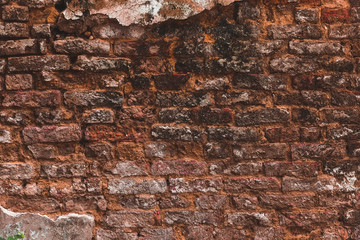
(145, 12)
(41, 227)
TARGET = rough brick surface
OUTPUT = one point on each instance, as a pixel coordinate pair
(241, 122)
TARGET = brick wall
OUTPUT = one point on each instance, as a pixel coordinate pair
(241, 122)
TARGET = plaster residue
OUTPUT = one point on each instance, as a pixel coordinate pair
(143, 12)
(40, 227)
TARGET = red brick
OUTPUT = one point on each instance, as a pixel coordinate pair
(16, 171)
(39, 63)
(334, 15)
(63, 170)
(178, 167)
(130, 219)
(308, 220)
(251, 184)
(15, 13)
(280, 169)
(14, 30)
(32, 99)
(80, 46)
(52, 134)
(18, 82)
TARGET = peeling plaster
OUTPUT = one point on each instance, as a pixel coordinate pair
(142, 12)
(41, 227)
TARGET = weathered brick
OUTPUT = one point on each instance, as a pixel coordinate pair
(14, 30)
(52, 134)
(176, 133)
(174, 99)
(193, 232)
(228, 65)
(294, 65)
(262, 151)
(294, 31)
(343, 31)
(307, 220)
(63, 170)
(87, 203)
(169, 115)
(251, 184)
(351, 115)
(307, 15)
(211, 116)
(32, 99)
(347, 132)
(141, 48)
(262, 116)
(18, 171)
(243, 169)
(308, 98)
(102, 234)
(174, 201)
(317, 151)
(341, 168)
(178, 167)
(305, 116)
(108, 133)
(18, 81)
(323, 81)
(99, 116)
(80, 46)
(132, 186)
(310, 134)
(157, 150)
(94, 98)
(137, 202)
(156, 233)
(250, 49)
(352, 217)
(217, 150)
(279, 169)
(212, 83)
(192, 218)
(243, 97)
(280, 134)
(339, 65)
(5, 136)
(39, 63)
(170, 81)
(259, 82)
(43, 151)
(249, 219)
(85, 63)
(41, 30)
(214, 202)
(19, 47)
(100, 151)
(152, 65)
(180, 185)
(245, 202)
(269, 233)
(334, 15)
(316, 48)
(15, 13)
(233, 133)
(229, 233)
(319, 184)
(2, 65)
(283, 2)
(127, 168)
(130, 219)
(345, 98)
